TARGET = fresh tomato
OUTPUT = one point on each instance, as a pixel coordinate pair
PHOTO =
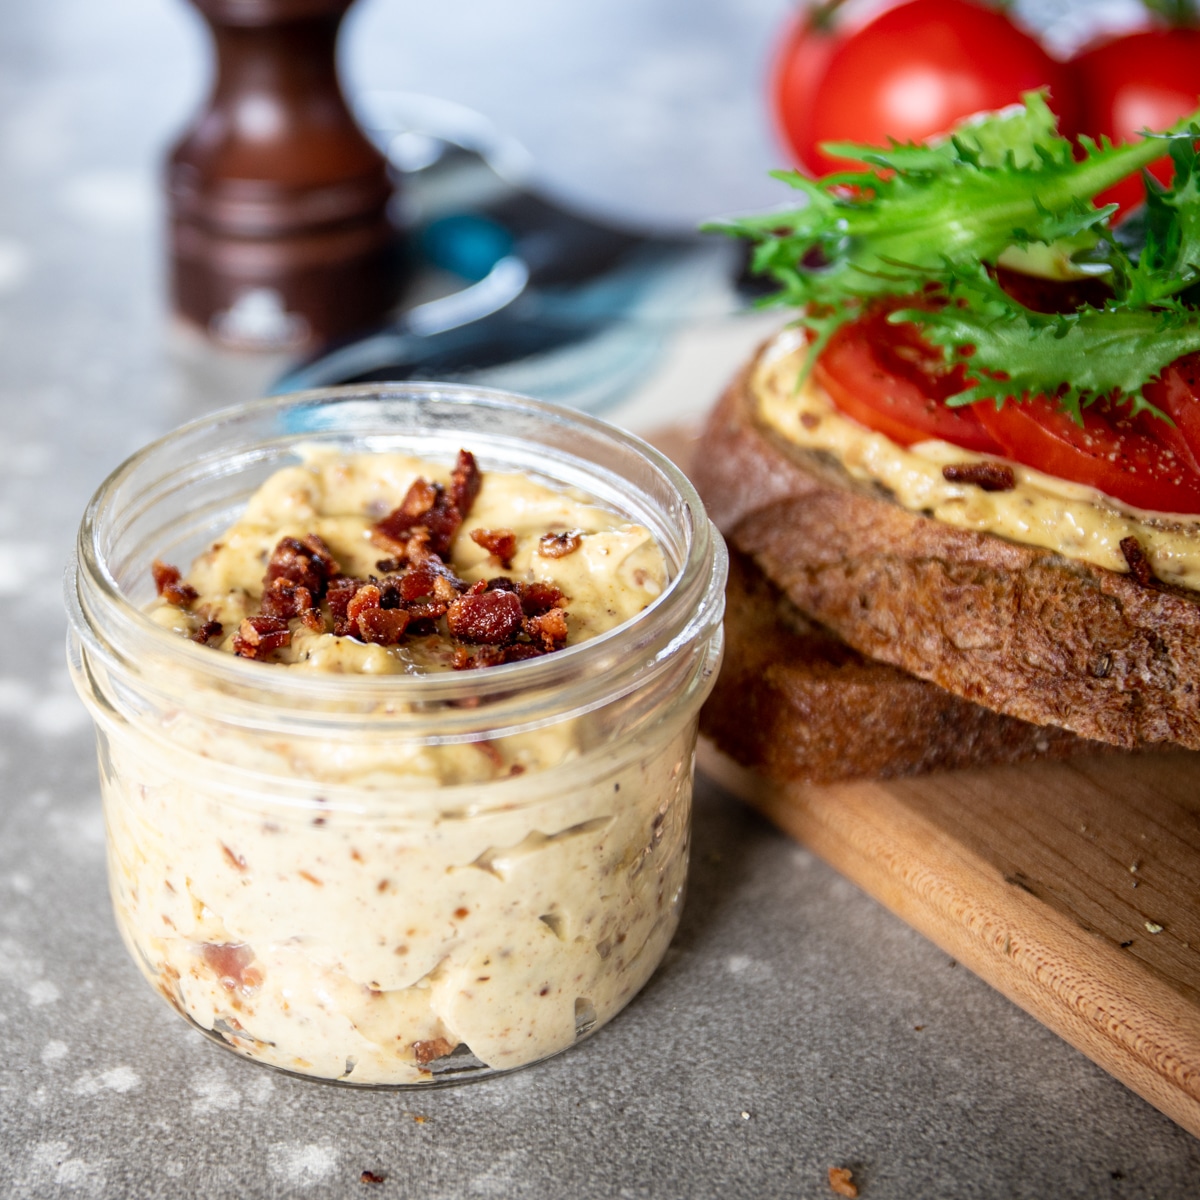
(1177, 393)
(889, 379)
(1141, 460)
(1147, 80)
(908, 73)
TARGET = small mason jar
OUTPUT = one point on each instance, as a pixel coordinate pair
(311, 868)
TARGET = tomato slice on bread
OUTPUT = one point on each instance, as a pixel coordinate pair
(1140, 460)
(887, 378)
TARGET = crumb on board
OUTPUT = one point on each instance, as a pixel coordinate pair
(841, 1180)
(1153, 927)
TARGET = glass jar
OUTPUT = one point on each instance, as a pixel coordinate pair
(306, 866)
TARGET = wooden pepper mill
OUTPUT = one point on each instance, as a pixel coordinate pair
(280, 235)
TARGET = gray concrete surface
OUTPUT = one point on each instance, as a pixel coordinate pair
(794, 1026)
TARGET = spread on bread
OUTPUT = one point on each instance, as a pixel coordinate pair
(1037, 509)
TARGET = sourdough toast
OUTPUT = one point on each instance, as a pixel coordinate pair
(1023, 631)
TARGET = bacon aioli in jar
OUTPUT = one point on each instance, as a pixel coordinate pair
(391, 803)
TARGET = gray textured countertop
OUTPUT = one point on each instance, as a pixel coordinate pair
(795, 1025)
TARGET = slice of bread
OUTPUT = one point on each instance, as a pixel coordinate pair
(797, 705)
(1012, 628)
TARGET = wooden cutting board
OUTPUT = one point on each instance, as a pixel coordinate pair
(1027, 876)
(1072, 887)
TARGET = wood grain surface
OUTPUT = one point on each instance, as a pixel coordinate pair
(1071, 887)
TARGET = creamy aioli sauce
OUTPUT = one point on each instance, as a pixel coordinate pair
(502, 898)
(1071, 519)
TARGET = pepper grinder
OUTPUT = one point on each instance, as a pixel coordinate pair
(279, 227)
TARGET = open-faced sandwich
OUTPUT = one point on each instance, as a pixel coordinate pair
(963, 489)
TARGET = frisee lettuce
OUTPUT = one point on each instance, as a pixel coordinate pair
(936, 219)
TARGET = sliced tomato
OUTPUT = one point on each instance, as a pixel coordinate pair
(888, 378)
(1177, 393)
(1140, 460)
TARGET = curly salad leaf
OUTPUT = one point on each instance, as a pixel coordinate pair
(936, 219)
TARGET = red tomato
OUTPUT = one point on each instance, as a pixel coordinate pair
(1177, 393)
(889, 379)
(1147, 80)
(909, 73)
(798, 69)
(1141, 460)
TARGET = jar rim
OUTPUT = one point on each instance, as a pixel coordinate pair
(112, 624)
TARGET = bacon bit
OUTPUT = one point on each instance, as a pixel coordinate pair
(435, 1048)
(303, 563)
(559, 545)
(372, 1177)
(1137, 561)
(465, 482)
(810, 421)
(492, 618)
(429, 578)
(285, 600)
(991, 477)
(367, 620)
(499, 543)
(427, 515)
(209, 631)
(341, 592)
(167, 584)
(259, 636)
(538, 598)
(236, 861)
(841, 1180)
(549, 629)
(164, 575)
(232, 963)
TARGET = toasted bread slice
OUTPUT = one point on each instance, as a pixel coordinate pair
(1020, 630)
(797, 705)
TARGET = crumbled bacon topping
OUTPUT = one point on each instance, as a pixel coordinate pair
(493, 618)
(429, 517)
(549, 630)
(168, 584)
(494, 621)
(371, 622)
(208, 632)
(559, 545)
(990, 476)
(1137, 561)
(259, 636)
(302, 563)
(465, 482)
(500, 543)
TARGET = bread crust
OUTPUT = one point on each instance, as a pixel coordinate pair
(799, 706)
(1017, 629)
